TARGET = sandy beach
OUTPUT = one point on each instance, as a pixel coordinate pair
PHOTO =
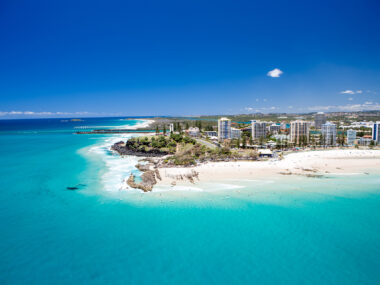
(308, 163)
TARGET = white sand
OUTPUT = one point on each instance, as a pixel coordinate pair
(342, 162)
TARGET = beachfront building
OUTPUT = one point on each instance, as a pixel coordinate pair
(171, 128)
(275, 128)
(376, 132)
(319, 120)
(194, 132)
(329, 133)
(235, 133)
(259, 129)
(299, 132)
(224, 128)
(351, 137)
(365, 140)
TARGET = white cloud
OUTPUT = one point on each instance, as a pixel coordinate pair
(248, 109)
(350, 99)
(359, 91)
(275, 73)
(349, 107)
(347, 92)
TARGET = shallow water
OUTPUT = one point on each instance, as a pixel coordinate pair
(289, 230)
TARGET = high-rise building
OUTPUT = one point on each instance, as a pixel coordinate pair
(235, 133)
(299, 132)
(329, 133)
(171, 128)
(259, 129)
(319, 120)
(224, 128)
(376, 132)
(351, 137)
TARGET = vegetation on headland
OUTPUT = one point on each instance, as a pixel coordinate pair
(180, 150)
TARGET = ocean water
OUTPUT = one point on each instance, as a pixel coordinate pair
(291, 230)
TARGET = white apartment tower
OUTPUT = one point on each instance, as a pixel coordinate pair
(259, 129)
(224, 128)
(351, 137)
(329, 133)
(299, 130)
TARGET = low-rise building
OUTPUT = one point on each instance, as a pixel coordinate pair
(265, 153)
(275, 128)
(235, 133)
(211, 133)
(365, 141)
(194, 132)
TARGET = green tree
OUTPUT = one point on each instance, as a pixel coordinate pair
(261, 141)
(157, 130)
(164, 129)
(179, 128)
(244, 141)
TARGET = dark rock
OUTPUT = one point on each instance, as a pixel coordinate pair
(72, 188)
(127, 148)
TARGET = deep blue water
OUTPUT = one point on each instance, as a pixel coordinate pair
(299, 231)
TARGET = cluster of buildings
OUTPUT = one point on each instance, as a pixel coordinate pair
(297, 132)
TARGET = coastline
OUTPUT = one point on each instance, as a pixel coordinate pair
(142, 123)
(313, 164)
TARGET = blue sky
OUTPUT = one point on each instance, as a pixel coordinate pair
(93, 58)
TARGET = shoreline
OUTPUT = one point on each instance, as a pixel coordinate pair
(313, 164)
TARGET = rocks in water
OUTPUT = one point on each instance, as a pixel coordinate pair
(148, 181)
(76, 187)
(72, 188)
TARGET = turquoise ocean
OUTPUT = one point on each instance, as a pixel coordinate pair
(293, 230)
